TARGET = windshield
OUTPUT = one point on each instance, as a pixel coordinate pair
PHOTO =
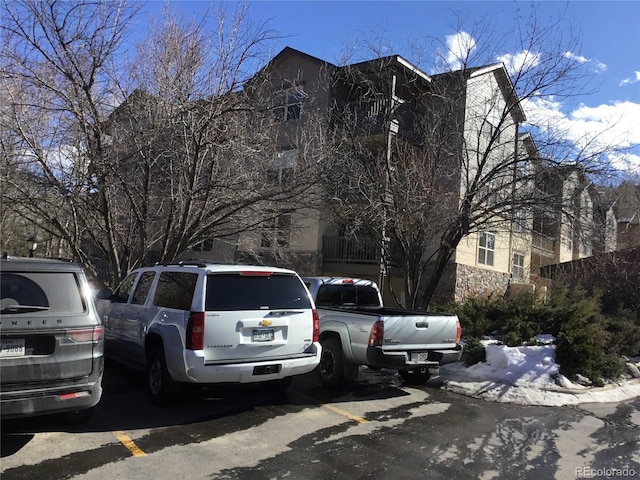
(45, 292)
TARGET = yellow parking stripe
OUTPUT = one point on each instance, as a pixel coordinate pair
(337, 410)
(127, 442)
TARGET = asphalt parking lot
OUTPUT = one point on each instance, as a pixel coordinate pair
(374, 428)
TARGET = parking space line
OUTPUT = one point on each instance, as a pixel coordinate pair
(337, 410)
(127, 442)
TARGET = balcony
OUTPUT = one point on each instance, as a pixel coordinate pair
(372, 117)
(369, 115)
(349, 250)
(543, 245)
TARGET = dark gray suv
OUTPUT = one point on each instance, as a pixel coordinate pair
(51, 340)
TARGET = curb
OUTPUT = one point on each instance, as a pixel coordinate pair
(578, 391)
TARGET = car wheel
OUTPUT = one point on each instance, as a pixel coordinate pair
(162, 388)
(419, 376)
(331, 367)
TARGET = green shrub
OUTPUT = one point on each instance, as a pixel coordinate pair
(474, 351)
(623, 333)
(474, 316)
(587, 342)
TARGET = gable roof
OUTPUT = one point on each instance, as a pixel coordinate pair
(288, 51)
(504, 81)
(396, 60)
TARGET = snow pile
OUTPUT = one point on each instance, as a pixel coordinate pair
(527, 375)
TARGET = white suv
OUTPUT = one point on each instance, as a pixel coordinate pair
(209, 323)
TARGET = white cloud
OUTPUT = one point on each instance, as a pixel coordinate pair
(598, 67)
(520, 61)
(604, 125)
(459, 47)
(629, 81)
(577, 58)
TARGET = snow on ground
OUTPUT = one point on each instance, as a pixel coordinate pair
(528, 376)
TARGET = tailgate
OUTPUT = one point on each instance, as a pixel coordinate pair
(255, 316)
(46, 355)
(48, 331)
(257, 335)
(412, 332)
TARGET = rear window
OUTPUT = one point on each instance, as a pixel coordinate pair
(51, 293)
(347, 295)
(240, 292)
(175, 290)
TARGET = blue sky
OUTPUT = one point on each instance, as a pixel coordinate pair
(609, 30)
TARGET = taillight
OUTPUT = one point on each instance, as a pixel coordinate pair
(195, 331)
(86, 335)
(458, 332)
(98, 333)
(316, 326)
(377, 334)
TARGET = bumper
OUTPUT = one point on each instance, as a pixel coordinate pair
(50, 400)
(246, 372)
(379, 358)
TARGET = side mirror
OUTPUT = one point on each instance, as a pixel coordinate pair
(104, 294)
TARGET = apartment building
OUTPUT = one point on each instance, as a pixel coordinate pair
(387, 100)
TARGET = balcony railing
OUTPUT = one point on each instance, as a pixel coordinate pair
(371, 116)
(349, 250)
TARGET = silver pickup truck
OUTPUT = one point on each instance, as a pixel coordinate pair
(356, 329)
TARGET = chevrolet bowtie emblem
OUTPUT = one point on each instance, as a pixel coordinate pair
(265, 323)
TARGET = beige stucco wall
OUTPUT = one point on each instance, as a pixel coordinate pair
(467, 252)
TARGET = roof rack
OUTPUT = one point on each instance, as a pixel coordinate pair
(203, 263)
(6, 256)
(182, 263)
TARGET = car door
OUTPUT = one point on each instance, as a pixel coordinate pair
(133, 317)
(113, 315)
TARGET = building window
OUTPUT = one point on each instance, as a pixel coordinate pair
(282, 170)
(570, 237)
(204, 246)
(517, 266)
(520, 220)
(486, 248)
(490, 131)
(289, 103)
(277, 232)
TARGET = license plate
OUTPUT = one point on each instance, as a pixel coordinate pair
(419, 356)
(12, 347)
(262, 336)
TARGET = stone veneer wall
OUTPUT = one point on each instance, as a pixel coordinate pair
(477, 282)
(445, 291)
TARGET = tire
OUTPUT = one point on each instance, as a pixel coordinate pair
(163, 389)
(331, 367)
(419, 376)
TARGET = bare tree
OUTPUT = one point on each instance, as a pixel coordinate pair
(58, 88)
(450, 159)
(186, 154)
